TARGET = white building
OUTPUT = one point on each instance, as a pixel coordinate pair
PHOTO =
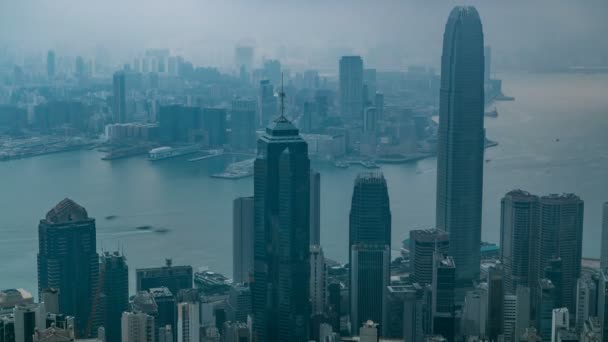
(509, 317)
(28, 318)
(137, 327)
(188, 326)
(561, 319)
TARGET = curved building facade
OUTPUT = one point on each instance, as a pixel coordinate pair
(461, 141)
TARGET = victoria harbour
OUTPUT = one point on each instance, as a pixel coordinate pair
(552, 138)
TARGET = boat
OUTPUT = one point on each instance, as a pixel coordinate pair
(341, 164)
(111, 217)
(166, 152)
(161, 230)
(145, 227)
(493, 113)
(369, 164)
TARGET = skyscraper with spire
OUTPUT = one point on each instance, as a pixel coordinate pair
(461, 141)
(280, 287)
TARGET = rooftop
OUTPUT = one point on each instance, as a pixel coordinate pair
(67, 211)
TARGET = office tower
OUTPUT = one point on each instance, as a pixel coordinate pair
(369, 278)
(602, 303)
(242, 124)
(239, 303)
(560, 319)
(509, 315)
(523, 312)
(166, 314)
(267, 103)
(119, 110)
(28, 319)
(334, 305)
(68, 262)
(519, 237)
(50, 64)
(213, 122)
(315, 208)
(444, 275)
(318, 280)
(370, 213)
(114, 275)
(475, 311)
(495, 301)
(282, 234)
(545, 303)
(243, 57)
(423, 244)
(404, 313)
(370, 121)
(604, 252)
(461, 141)
(188, 322)
(242, 239)
(351, 87)
(369, 80)
(379, 104)
(50, 298)
(137, 327)
(561, 231)
(9, 298)
(487, 54)
(175, 278)
(272, 70)
(179, 124)
(586, 300)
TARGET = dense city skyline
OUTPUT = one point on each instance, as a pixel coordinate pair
(273, 131)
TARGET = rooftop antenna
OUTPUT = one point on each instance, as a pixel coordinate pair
(282, 96)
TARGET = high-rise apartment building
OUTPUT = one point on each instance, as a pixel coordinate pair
(137, 327)
(188, 322)
(68, 262)
(461, 141)
(443, 298)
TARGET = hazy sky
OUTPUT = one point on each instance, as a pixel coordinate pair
(387, 33)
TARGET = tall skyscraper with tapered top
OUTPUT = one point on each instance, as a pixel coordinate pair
(461, 141)
(281, 278)
(68, 261)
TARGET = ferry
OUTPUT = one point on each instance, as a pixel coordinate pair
(341, 164)
(166, 152)
(493, 113)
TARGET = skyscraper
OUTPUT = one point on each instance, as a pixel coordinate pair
(68, 261)
(137, 327)
(213, 122)
(519, 238)
(461, 141)
(267, 103)
(318, 280)
(423, 244)
(282, 234)
(315, 208)
(114, 274)
(188, 322)
(561, 232)
(166, 314)
(545, 303)
(28, 319)
(369, 278)
(119, 110)
(370, 212)
(242, 239)
(444, 273)
(604, 252)
(50, 64)
(496, 299)
(242, 124)
(351, 87)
